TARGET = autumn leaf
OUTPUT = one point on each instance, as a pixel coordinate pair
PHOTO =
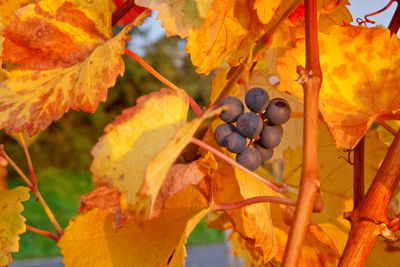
(12, 224)
(135, 244)
(66, 59)
(337, 188)
(141, 145)
(345, 97)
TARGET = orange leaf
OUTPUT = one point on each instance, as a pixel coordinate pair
(67, 60)
(8, 7)
(355, 94)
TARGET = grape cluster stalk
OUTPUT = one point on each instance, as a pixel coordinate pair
(252, 135)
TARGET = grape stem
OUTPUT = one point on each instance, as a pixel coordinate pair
(309, 184)
(42, 232)
(239, 166)
(35, 191)
(199, 112)
(253, 200)
(395, 22)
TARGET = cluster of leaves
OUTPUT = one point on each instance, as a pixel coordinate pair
(59, 55)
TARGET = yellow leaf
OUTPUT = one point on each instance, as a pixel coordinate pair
(336, 178)
(57, 73)
(220, 34)
(142, 144)
(266, 9)
(156, 242)
(346, 101)
(11, 221)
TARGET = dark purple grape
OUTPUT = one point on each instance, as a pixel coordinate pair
(278, 111)
(250, 158)
(270, 137)
(266, 153)
(256, 99)
(249, 125)
(236, 108)
(235, 142)
(222, 131)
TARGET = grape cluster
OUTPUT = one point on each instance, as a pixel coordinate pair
(262, 126)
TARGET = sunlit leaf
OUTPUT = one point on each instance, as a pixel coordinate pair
(157, 242)
(12, 224)
(65, 60)
(335, 175)
(345, 98)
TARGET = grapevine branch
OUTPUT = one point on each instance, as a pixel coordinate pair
(199, 112)
(395, 22)
(358, 172)
(309, 186)
(34, 190)
(254, 200)
(42, 232)
(372, 211)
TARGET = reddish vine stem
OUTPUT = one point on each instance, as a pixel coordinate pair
(28, 158)
(309, 186)
(122, 10)
(358, 172)
(199, 112)
(42, 232)
(254, 200)
(395, 22)
(35, 191)
(372, 211)
(366, 20)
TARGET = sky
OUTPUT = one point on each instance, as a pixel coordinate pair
(358, 8)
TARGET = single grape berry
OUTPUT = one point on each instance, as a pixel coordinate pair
(250, 158)
(266, 153)
(249, 124)
(222, 131)
(235, 142)
(270, 137)
(278, 111)
(256, 99)
(236, 108)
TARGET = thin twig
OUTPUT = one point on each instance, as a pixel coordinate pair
(28, 158)
(253, 200)
(199, 112)
(35, 191)
(42, 232)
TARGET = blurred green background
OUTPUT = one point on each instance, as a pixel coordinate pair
(61, 154)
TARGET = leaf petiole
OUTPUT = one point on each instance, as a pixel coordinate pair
(42, 232)
(199, 112)
(254, 200)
